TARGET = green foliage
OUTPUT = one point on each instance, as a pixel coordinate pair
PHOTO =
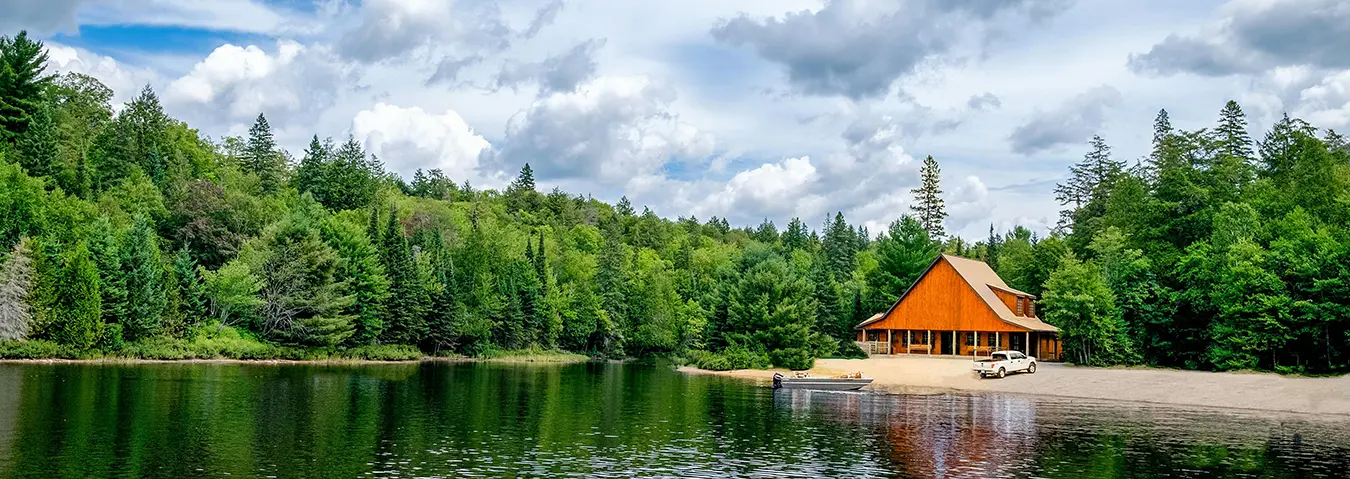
(1078, 300)
(143, 278)
(76, 305)
(928, 206)
(1215, 252)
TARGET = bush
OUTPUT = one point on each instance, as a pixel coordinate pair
(36, 349)
(796, 359)
(733, 357)
(850, 350)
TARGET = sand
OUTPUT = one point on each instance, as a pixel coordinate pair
(1258, 391)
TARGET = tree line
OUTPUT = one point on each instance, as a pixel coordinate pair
(127, 228)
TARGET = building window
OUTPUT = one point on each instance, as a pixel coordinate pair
(1020, 310)
(989, 339)
(970, 339)
(1031, 308)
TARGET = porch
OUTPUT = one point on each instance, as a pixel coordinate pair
(1043, 346)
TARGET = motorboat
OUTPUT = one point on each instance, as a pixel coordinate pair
(846, 382)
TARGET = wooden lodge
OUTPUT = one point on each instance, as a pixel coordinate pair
(960, 307)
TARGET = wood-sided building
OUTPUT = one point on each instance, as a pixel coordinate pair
(959, 307)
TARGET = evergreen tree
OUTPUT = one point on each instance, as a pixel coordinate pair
(796, 236)
(191, 291)
(521, 194)
(23, 65)
(261, 156)
(364, 272)
(16, 282)
(625, 208)
(37, 148)
(142, 273)
(928, 206)
(309, 177)
(104, 247)
(404, 309)
(76, 305)
(446, 316)
(303, 302)
(841, 247)
(830, 319)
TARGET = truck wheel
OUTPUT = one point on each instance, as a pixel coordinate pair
(982, 376)
(1031, 369)
(1002, 372)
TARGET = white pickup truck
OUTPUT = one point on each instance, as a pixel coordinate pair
(1000, 363)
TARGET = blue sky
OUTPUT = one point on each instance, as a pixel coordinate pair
(746, 110)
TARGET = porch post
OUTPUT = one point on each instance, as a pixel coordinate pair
(890, 349)
(909, 341)
(1027, 346)
(998, 343)
(929, 337)
(956, 347)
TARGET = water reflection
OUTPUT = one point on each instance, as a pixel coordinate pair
(601, 420)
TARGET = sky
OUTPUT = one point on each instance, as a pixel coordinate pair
(747, 110)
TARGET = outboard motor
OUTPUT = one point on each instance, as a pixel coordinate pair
(777, 380)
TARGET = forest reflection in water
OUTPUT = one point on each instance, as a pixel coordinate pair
(603, 420)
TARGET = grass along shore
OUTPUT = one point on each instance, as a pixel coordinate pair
(1227, 390)
(229, 344)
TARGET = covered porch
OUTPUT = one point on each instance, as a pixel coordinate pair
(1042, 345)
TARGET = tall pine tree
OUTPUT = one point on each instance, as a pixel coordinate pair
(928, 206)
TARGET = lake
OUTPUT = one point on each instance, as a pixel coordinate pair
(198, 420)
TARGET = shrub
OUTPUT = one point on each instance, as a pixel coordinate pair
(796, 359)
(36, 349)
(850, 350)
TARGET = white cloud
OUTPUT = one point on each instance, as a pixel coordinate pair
(233, 84)
(1327, 104)
(124, 80)
(608, 130)
(409, 138)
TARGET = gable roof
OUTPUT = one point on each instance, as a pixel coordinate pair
(982, 279)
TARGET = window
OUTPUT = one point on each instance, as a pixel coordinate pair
(1031, 308)
(989, 339)
(970, 339)
(1020, 310)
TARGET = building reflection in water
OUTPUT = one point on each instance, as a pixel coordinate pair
(940, 435)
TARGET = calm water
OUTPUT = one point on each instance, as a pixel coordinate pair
(602, 420)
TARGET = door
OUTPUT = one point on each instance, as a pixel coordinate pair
(1017, 342)
(947, 344)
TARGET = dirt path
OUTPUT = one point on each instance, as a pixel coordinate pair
(1263, 391)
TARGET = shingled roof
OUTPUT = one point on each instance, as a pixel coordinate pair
(983, 280)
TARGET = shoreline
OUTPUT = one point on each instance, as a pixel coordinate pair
(1221, 390)
(286, 362)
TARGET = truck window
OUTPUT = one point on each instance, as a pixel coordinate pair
(1000, 357)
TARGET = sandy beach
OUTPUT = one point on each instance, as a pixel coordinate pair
(1260, 391)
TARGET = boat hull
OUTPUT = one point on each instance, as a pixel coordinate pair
(825, 384)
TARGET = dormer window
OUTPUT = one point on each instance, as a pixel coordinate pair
(1031, 308)
(1021, 307)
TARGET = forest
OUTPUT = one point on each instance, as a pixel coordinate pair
(126, 233)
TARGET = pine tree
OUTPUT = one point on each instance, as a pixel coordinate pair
(1162, 134)
(541, 266)
(1090, 180)
(928, 206)
(310, 175)
(446, 316)
(77, 306)
(37, 147)
(521, 194)
(829, 318)
(142, 273)
(191, 291)
(16, 282)
(796, 237)
(261, 156)
(404, 310)
(991, 247)
(841, 247)
(625, 208)
(23, 63)
(104, 247)
(1231, 135)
